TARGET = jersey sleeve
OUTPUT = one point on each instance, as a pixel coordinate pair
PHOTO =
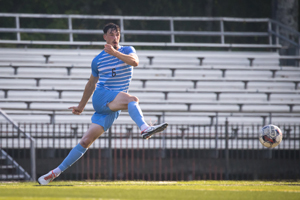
(129, 50)
(94, 68)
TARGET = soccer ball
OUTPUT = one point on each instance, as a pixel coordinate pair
(270, 136)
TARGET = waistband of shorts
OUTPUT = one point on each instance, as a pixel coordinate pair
(101, 87)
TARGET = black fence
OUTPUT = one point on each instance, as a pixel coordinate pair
(181, 152)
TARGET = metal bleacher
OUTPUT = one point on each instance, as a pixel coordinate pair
(179, 86)
(173, 88)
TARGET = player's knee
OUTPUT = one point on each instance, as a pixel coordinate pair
(134, 98)
(85, 142)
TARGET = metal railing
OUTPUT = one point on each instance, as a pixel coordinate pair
(275, 28)
(32, 143)
(172, 30)
(11, 163)
(182, 152)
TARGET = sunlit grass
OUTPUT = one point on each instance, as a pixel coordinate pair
(167, 190)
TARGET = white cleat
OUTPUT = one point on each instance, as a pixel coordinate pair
(148, 132)
(47, 178)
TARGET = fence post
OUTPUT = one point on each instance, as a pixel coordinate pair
(216, 136)
(222, 31)
(226, 151)
(32, 159)
(122, 29)
(110, 167)
(164, 142)
(70, 29)
(18, 28)
(269, 31)
(277, 38)
(172, 30)
(298, 51)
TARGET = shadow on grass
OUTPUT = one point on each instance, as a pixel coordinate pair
(54, 185)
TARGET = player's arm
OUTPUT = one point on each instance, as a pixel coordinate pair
(88, 91)
(131, 59)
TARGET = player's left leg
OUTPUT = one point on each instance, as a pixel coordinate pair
(75, 154)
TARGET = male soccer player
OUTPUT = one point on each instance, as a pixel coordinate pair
(109, 83)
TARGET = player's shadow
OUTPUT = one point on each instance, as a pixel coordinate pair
(53, 185)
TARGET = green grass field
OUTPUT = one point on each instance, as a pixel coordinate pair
(151, 190)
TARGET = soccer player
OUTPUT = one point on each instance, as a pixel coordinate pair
(109, 84)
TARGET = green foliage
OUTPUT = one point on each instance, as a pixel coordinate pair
(232, 8)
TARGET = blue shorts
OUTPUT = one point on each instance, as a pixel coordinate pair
(103, 115)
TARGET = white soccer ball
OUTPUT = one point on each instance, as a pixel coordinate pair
(270, 136)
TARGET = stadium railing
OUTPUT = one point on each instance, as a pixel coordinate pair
(182, 152)
(32, 144)
(273, 30)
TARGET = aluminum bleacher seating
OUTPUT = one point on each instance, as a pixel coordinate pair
(38, 84)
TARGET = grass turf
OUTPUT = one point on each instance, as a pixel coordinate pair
(150, 190)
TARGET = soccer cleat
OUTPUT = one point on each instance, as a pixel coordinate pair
(148, 132)
(47, 178)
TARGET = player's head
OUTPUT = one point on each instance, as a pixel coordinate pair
(112, 34)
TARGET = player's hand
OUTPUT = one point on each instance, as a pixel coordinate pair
(76, 110)
(109, 49)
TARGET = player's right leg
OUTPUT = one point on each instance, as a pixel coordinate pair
(75, 154)
(125, 101)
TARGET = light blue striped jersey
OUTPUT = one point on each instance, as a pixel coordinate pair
(113, 73)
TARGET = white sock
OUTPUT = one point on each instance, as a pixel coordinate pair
(144, 127)
(57, 171)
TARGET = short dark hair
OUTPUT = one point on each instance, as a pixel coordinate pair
(111, 26)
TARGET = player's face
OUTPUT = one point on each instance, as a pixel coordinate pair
(112, 37)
